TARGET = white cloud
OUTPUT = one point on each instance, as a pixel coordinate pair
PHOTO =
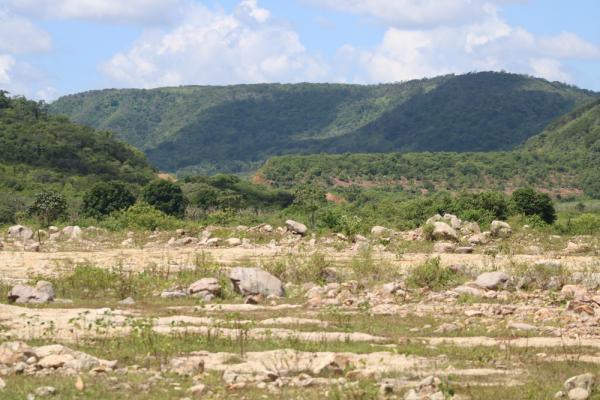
(486, 44)
(212, 47)
(111, 11)
(18, 35)
(6, 64)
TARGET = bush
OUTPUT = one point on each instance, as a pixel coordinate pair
(165, 196)
(106, 197)
(585, 224)
(529, 202)
(427, 231)
(431, 274)
(141, 216)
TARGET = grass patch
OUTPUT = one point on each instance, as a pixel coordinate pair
(432, 275)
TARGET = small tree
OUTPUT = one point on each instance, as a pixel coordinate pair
(48, 206)
(106, 197)
(165, 196)
(310, 198)
(529, 202)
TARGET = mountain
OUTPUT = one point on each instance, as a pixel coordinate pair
(39, 151)
(563, 159)
(232, 128)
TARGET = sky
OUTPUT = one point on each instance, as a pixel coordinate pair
(49, 48)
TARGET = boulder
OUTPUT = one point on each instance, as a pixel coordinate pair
(251, 281)
(435, 218)
(20, 232)
(206, 288)
(296, 227)
(464, 250)
(443, 231)
(452, 220)
(379, 231)
(72, 232)
(470, 228)
(173, 294)
(234, 242)
(500, 229)
(480, 238)
(42, 293)
(579, 387)
(492, 280)
(444, 247)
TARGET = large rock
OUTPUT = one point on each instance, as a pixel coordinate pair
(452, 220)
(379, 231)
(579, 387)
(480, 238)
(251, 281)
(492, 280)
(72, 232)
(443, 231)
(500, 229)
(20, 232)
(207, 288)
(296, 227)
(42, 293)
(444, 247)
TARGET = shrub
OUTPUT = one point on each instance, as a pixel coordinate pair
(585, 224)
(106, 197)
(165, 196)
(427, 231)
(529, 202)
(431, 274)
(141, 216)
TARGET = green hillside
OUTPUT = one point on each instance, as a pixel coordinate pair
(564, 159)
(203, 129)
(38, 152)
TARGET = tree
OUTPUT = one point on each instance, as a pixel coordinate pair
(310, 198)
(165, 196)
(48, 206)
(529, 202)
(105, 197)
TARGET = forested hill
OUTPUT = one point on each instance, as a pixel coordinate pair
(38, 151)
(564, 159)
(229, 128)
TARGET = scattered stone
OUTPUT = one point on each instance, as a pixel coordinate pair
(521, 326)
(296, 227)
(42, 293)
(464, 250)
(492, 280)
(79, 384)
(20, 232)
(574, 248)
(480, 238)
(379, 231)
(500, 229)
(173, 294)
(45, 391)
(197, 390)
(129, 301)
(578, 387)
(72, 233)
(250, 281)
(444, 247)
(206, 288)
(443, 231)
(32, 247)
(233, 242)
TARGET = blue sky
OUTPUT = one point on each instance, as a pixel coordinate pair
(53, 47)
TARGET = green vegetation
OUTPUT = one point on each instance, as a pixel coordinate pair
(165, 196)
(235, 128)
(48, 206)
(529, 202)
(432, 275)
(106, 197)
(41, 153)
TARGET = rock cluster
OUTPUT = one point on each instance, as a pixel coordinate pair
(43, 292)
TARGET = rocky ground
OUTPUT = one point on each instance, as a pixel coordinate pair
(443, 312)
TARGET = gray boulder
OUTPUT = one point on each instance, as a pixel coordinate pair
(20, 232)
(252, 281)
(492, 280)
(43, 292)
(443, 231)
(500, 229)
(72, 232)
(207, 288)
(296, 227)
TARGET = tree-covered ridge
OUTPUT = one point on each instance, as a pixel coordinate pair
(566, 155)
(236, 127)
(29, 136)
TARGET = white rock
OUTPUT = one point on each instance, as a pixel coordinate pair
(20, 232)
(492, 280)
(500, 229)
(296, 227)
(443, 231)
(251, 281)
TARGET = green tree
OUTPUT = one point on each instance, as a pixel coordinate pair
(529, 202)
(165, 196)
(105, 197)
(310, 198)
(48, 206)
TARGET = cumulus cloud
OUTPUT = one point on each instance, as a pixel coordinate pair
(19, 35)
(486, 43)
(111, 11)
(213, 47)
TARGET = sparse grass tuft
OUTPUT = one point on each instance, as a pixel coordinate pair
(431, 274)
